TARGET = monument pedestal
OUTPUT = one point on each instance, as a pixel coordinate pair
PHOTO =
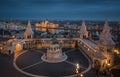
(54, 54)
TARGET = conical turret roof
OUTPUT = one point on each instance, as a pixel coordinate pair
(106, 38)
(83, 29)
(29, 29)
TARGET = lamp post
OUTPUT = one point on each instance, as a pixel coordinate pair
(77, 71)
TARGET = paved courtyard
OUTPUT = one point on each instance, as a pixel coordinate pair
(30, 62)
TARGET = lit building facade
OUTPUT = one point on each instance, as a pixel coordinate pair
(100, 57)
(45, 26)
(106, 46)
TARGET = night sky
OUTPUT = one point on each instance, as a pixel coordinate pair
(60, 9)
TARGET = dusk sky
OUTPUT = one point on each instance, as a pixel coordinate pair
(60, 9)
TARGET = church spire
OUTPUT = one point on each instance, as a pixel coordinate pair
(28, 33)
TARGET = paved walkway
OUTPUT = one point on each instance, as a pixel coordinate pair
(36, 64)
(41, 65)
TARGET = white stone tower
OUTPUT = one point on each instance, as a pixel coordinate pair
(106, 38)
(83, 31)
(106, 44)
(28, 33)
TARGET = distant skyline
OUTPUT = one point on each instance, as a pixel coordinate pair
(60, 9)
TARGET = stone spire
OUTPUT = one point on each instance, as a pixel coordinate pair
(106, 38)
(28, 32)
(83, 31)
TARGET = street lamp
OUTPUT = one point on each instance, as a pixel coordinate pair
(77, 65)
(77, 69)
(81, 75)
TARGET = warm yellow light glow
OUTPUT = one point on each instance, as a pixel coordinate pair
(108, 64)
(77, 68)
(46, 25)
(0, 48)
(18, 47)
(81, 75)
(77, 71)
(116, 51)
(13, 36)
(77, 65)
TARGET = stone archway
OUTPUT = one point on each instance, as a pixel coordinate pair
(18, 47)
